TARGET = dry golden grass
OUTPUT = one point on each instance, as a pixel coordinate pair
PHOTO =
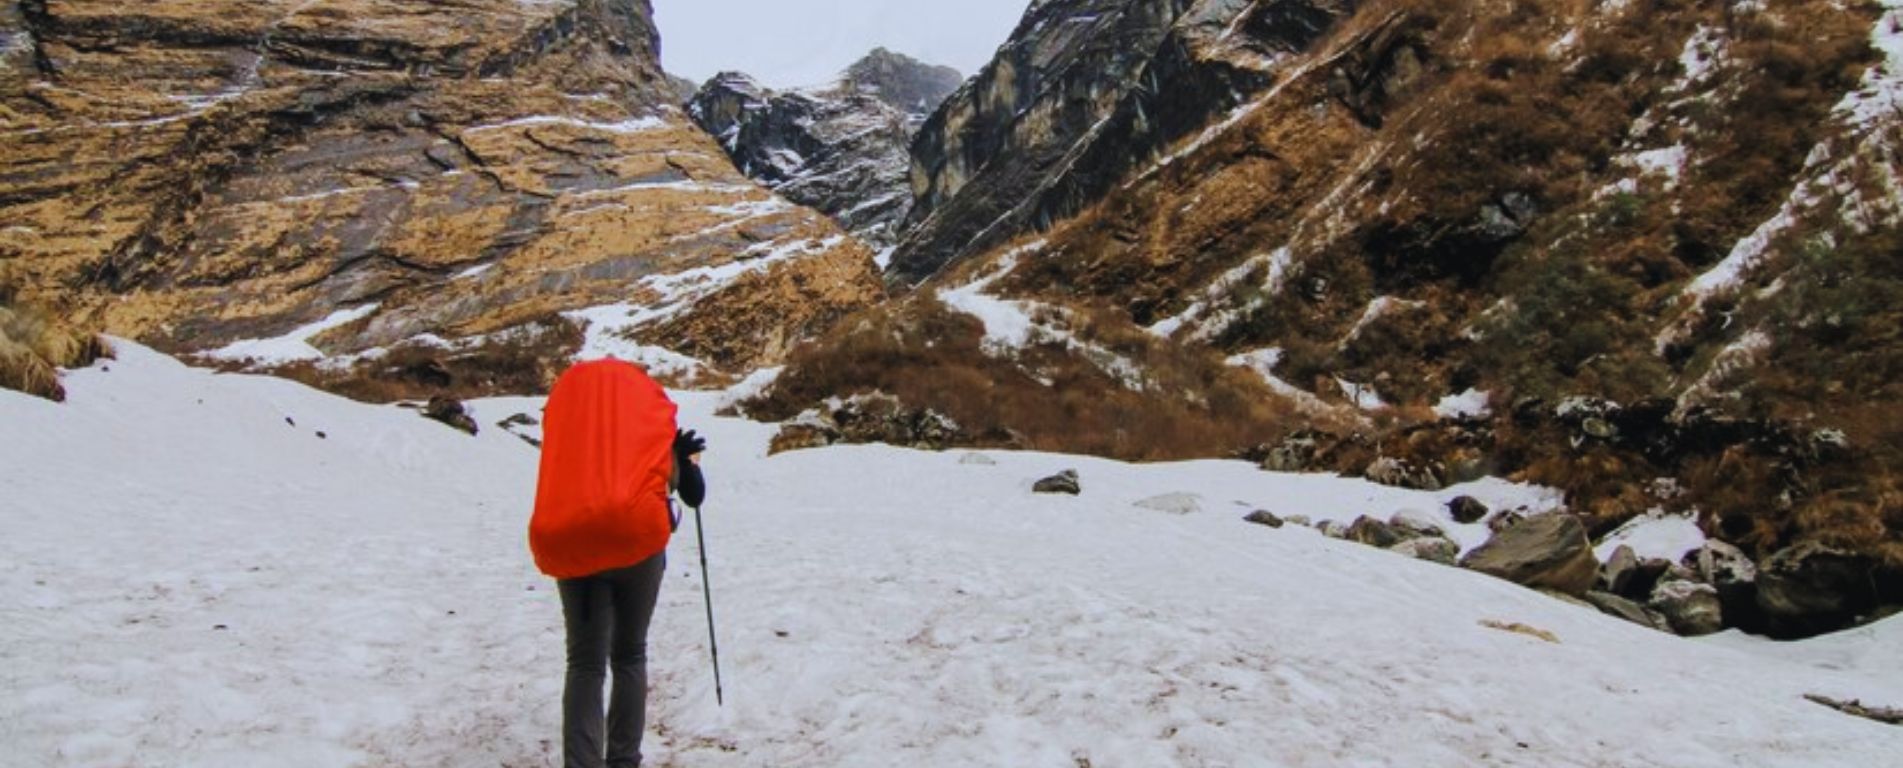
(34, 346)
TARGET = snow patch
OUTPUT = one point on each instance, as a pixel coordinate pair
(1471, 404)
(1654, 535)
(291, 347)
(631, 125)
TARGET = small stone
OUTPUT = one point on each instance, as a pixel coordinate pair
(1467, 510)
(1301, 520)
(1416, 523)
(1062, 482)
(1334, 529)
(1264, 517)
(322, 436)
(1619, 607)
(1433, 549)
(1374, 533)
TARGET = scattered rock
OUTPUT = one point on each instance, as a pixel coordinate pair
(1549, 551)
(1692, 608)
(1264, 517)
(322, 436)
(1433, 549)
(977, 460)
(1811, 588)
(1062, 482)
(1720, 564)
(449, 410)
(1619, 607)
(1467, 510)
(1374, 533)
(1414, 523)
(1334, 529)
(1301, 520)
(1616, 575)
(799, 437)
(1174, 503)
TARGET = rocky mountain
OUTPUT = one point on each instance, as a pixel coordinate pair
(840, 149)
(391, 197)
(903, 83)
(1641, 253)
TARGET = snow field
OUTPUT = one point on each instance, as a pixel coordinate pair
(877, 607)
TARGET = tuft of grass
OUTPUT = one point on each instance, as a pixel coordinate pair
(34, 346)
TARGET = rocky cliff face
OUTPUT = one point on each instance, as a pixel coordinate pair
(1084, 91)
(1642, 254)
(841, 149)
(362, 181)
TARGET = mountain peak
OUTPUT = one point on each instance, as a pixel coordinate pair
(909, 85)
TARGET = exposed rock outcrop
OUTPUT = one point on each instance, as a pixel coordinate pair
(840, 149)
(348, 177)
(1082, 92)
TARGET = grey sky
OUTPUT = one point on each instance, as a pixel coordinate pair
(788, 43)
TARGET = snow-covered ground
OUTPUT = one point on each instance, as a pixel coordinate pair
(189, 579)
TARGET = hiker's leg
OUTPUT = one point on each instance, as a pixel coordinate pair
(588, 612)
(636, 590)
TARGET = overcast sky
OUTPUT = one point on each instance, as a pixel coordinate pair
(788, 43)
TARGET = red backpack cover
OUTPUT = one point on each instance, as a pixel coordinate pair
(607, 454)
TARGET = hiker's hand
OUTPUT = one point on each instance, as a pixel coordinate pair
(689, 445)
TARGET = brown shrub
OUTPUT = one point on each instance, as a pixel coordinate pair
(522, 361)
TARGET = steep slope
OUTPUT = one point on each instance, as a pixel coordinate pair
(1643, 254)
(272, 597)
(839, 149)
(1083, 91)
(444, 185)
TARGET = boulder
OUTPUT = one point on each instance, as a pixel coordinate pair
(449, 410)
(1549, 551)
(801, 436)
(1811, 588)
(1414, 522)
(1434, 549)
(1617, 572)
(1467, 510)
(1692, 608)
(1264, 517)
(1720, 564)
(1374, 533)
(1732, 572)
(1619, 607)
(1062, 482)
(1173, 503)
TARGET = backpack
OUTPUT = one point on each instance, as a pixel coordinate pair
(601, 499)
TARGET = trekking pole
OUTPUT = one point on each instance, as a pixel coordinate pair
(707, 591)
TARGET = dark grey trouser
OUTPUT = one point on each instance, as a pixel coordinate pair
(607, 616)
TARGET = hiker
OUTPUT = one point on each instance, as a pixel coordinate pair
(611, 454)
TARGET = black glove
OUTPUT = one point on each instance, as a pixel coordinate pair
(688, 444)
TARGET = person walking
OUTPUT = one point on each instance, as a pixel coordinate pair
(611, 454)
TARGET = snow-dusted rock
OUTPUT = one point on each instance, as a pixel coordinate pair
(1265, 517)
(1434, 549)
(1693, 608)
